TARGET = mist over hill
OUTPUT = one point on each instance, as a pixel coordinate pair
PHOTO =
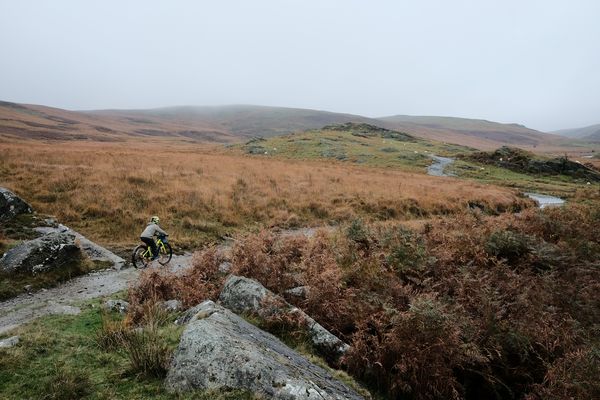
(237, 120)
(231, 123)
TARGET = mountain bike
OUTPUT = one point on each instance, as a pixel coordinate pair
(142, 254)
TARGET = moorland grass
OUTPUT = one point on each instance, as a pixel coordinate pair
(108, 191)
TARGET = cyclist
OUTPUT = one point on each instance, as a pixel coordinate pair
(148, 235)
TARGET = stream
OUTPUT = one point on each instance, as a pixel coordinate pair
(545, 200)
(438, 166)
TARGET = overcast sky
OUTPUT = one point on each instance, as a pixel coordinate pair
(526, 61)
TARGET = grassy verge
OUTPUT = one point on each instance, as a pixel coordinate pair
(59, 358)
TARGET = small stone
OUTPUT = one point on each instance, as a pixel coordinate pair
(300, 291)
(225, 267)
(62, 309)
(172, 305)
(9, 342)
(116, 305)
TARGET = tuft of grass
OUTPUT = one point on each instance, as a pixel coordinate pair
(67, 384)
(147, 352)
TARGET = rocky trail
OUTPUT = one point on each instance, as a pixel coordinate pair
(64, 298)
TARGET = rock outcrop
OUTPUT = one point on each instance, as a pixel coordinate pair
(243, 295)
(46, 253)
(219, 350)
(526, 162)
(93, 250)
(12, 205)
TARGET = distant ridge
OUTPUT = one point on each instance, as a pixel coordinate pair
(231, 123)
(478, 133)
(590, 133)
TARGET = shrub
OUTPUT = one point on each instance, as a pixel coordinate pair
(406, 253)
(357, 232)
(508, 245)
(415, 353)
(574, 376)
(201, 282)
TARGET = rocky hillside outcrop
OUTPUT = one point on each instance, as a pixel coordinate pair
(220, 350)
(523, 161)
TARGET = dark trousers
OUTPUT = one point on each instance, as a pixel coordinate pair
(152, 244)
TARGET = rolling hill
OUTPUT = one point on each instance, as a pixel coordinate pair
(476, 133)
(24, 121)
(243, 121)
(227, 124)
(590, 133)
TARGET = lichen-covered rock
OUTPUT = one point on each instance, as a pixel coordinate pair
(12, 205)
(243, 295)
(93, 250)
(219, 350)
(48, 252)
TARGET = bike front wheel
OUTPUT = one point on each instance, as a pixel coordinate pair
(137, 258)
(165, 254)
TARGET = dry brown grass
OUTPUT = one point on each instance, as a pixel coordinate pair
(108, 191)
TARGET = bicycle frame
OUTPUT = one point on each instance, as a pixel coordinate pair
(159, 245)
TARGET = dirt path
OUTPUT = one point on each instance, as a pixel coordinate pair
(63, 299)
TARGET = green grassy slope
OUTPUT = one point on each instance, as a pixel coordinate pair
(357, 143)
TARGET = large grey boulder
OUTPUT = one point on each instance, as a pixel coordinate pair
(93, 250)
(219, 350)
(12, 205)
(46, 253)
(243, 295)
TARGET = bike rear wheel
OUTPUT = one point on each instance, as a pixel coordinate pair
(137, 258)
(165, 254)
